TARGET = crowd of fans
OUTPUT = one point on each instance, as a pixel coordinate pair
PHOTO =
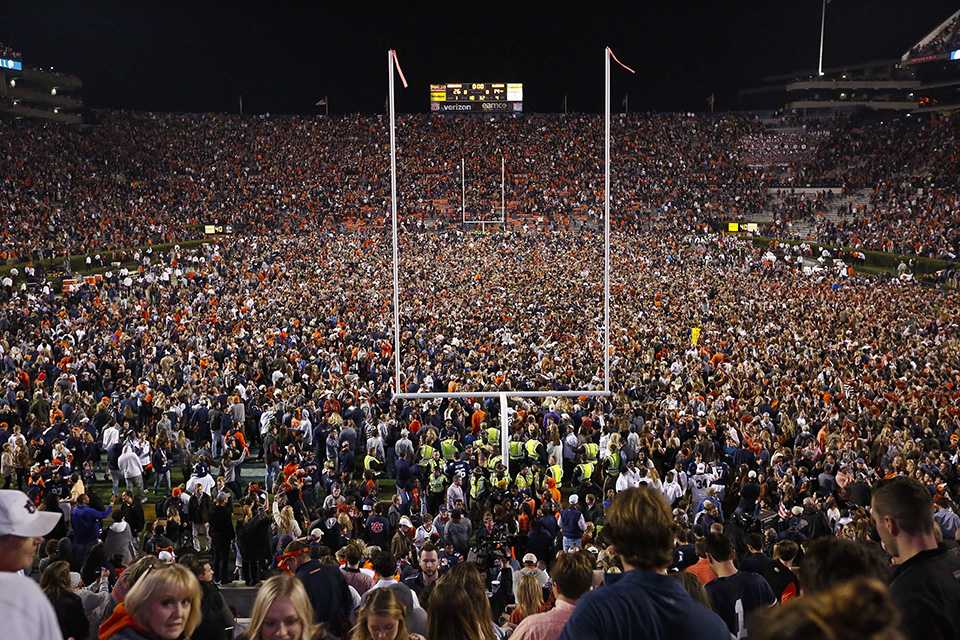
(224, 413)
(9, 53)
(947, 40)
(159, 177)
(243, 390)
(780, 148)
(866, 152)
(139, 178)
(901, 218)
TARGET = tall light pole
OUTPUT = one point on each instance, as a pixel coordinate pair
(823, 22)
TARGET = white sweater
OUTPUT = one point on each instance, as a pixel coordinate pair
(130, 465)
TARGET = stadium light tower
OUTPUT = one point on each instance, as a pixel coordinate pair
(823, 22)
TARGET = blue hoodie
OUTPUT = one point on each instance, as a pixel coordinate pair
(85, 521)
(643, 604)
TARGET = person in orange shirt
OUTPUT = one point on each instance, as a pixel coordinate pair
(477, 418)
(702, 569)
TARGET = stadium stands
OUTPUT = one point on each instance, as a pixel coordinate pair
(9, 53)
(70, 191)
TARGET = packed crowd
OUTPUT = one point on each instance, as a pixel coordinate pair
(237, 397)
(868, 151)
(141, 178)
(159, 177)
(947, 40)
(9, 53)
(788, 147)
(901, 218)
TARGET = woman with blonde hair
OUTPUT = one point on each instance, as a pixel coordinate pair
(529, 598)
(382, 618)
(286, 521)
(282, 610)
(346, 525)
(164, 604)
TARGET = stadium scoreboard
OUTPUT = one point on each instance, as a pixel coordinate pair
(479, 97)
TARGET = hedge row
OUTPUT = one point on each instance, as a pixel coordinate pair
(877, 259)
(78, 263)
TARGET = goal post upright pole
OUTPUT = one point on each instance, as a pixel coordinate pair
(503, 191)
(463, 189)
(606, 224)
(504, 432)
(393, 210)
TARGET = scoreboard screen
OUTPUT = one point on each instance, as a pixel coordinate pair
(481, 97)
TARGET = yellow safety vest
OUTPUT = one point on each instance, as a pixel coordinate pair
(477, 485)
(493, 436)
(555, 472)
(492, 462)
(437, 484)
(368, 464)
(522, 482)
(613, 465)
(426, 453)
(532, 447)
(592, 450)
(516, 450)
(586, 470)
(447, 448)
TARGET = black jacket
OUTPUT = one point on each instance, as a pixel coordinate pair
(251, 535)
(329, 595)
(926, 589)
(199, 509)
(133, 515)
(221, 525)
(217, 618)
(71, 616)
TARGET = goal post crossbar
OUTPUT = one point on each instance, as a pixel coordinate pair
(504, 397)
(436, 395)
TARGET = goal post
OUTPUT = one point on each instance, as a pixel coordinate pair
(502, 395)
(503, 197)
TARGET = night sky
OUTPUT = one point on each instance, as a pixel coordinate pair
(282, 57)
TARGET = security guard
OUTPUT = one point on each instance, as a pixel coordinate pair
(516, 452)
(554, 471)
(373, 465)
(524, 479)
(448, 447)
(493, 461)
(493, 437)
(433, 463)
(478, 486)
(426, 454)
(590, 451)
(534, 449)
(612, 464)
(583, 472)
(500, 478)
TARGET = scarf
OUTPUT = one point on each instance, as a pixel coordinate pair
(118, 621)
